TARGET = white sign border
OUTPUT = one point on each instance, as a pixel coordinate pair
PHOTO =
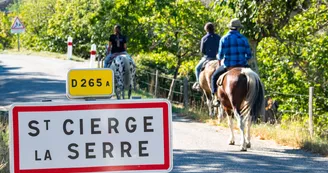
(71, 103)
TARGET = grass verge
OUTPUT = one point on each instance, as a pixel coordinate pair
(288, 133)
(4, 139)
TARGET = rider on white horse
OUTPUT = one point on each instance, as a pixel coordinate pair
(121, 63)
(116, 46)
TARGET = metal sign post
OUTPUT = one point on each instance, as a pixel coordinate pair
(17, 27)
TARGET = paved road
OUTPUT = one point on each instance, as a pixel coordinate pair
(198, 147)
(32, 78)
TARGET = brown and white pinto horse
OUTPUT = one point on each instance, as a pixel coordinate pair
(242, 96)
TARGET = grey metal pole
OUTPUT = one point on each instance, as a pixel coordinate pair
(311, 111)
(18, 43)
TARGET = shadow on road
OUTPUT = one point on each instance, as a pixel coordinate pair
(233, 161)
(28, 87)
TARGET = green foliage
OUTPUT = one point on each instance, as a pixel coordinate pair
(265, 18)
(177, 28)
(164, 62)
(291, 39)
(75, 19)
(35, 15)
(4, 142)
(297, 59)
(5, 35)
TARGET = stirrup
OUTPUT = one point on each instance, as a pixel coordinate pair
(216, 103)
(196, 86)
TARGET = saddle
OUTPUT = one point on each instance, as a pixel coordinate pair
(221, 78)
(205, 63)
(114, 55)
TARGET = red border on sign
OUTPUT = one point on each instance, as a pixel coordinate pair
(12, 26)
(49, 108)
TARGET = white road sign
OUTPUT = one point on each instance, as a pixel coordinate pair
(133, 135)
(17, 26)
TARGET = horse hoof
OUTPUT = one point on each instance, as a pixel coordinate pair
(248, 145)
(243, 149)
(232, 143)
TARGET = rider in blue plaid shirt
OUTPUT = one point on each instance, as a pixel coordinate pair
(234, 49)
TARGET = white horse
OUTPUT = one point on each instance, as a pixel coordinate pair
(124, 73)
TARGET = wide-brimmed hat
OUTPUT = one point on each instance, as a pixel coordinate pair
(235, 24)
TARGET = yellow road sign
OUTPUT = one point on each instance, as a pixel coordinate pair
(82, 83)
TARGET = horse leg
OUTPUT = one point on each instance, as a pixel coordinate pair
(248, 134)
(132, 79)
(232, 136)
(220, 113)
(117, 92)
(123, 94)
(241, 128)
(129, 92)
(209, 103)
(133, 76)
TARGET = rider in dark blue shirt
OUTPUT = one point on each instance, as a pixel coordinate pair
(209, 47)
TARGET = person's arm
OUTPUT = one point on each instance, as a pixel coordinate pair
(109, 46)
(217, 44)
(248, 50)
(202, 49)
(124, 43)
(221, 49)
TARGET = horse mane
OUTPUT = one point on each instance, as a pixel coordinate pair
(255, 96)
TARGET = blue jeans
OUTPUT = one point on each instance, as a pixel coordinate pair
(107, 59)
(215, 78)
(198, 68)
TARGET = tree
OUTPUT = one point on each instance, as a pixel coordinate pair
(297, 59)
(35, 15)
(129, 14)
(263, 19)
(178, 27)
(5, 35)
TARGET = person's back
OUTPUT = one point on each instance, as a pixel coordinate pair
(210, 45)
(235, 49)
(118, 42)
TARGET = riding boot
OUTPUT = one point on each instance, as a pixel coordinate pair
(215, 101)
(196, 86)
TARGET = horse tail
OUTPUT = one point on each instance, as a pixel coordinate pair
(129, 70)
(255, 95)
(126, 71)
